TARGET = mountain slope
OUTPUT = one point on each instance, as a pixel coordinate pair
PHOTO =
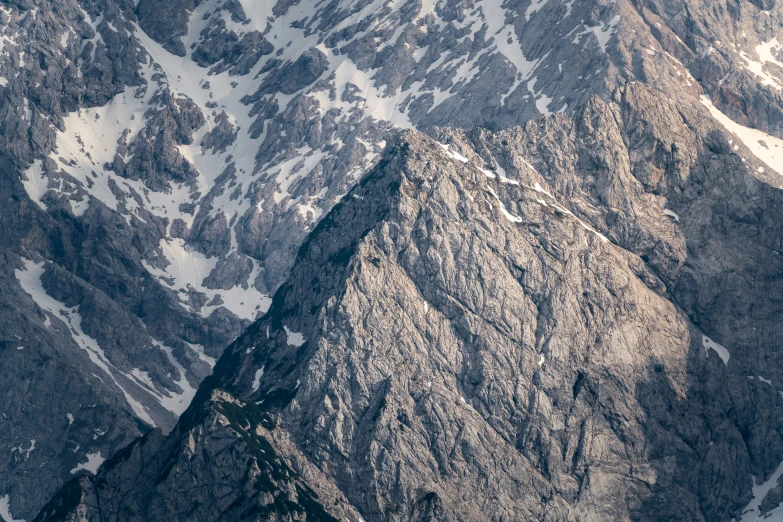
(478, 331)
(163, 161)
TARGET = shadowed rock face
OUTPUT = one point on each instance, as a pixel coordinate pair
(500, 326)
(162, 163)
(166, 21)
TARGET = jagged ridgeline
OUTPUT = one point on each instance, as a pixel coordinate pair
(474, 335)
(487, 260)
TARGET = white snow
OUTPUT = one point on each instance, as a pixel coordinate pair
(502, 173)
(142, 378)
(506, 40)
(257, 378)
(542, 100)
(456, 155)
(768, 149)
(5, 512)
(28, 112)
(487, 173)
(376, 104)
(506, 213)
(201, 355)
(188, 268)
(603, 32)
(89, 141)
(176, 403)
(751, 512)
(25, 451)
(766, 56)
(300, 166)
(535, 5)
(94, 461)
(36, 183)
(70, 418)
(671, 214)
(722, 352)
(30, 279)
(89, 138)
(538, 188)
(293, 338)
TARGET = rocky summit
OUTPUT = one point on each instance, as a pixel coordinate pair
(391, 260)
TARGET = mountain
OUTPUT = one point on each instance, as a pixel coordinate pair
(475, 332)
(163, 161)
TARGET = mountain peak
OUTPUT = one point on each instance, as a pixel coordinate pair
(525, 248)
(485, 321)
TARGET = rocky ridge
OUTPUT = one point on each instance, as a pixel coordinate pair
(158, 183)
(475, 333)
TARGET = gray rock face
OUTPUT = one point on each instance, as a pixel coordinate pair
(730, 49)
(163, 162)
(96, 350)
(166, 21)
(252, 482)
(478, 332)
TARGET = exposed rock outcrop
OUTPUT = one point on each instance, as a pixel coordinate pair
(504, 326)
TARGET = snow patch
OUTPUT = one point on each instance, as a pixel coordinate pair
(25, 451)
(176, 403)
(535, 5)
(538, 188)
(36, 183)
(30, 280)
(603, 32)
(257, 378)
(542, 100)
(507, 42)
(671, 214)
(5, 512)
(293, 338)
(768, 149)
(375, 104)
(766, 56)
(722, 352)
(455, 155)
(187, 268)
(94, 461)
(752, 512)
(509, 216)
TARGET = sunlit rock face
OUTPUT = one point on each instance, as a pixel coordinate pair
(164, 162)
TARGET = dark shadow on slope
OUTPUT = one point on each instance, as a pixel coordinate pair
(704, 447)
(729, 425)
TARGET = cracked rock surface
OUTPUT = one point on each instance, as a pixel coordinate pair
(478, 332)
(162, 162)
